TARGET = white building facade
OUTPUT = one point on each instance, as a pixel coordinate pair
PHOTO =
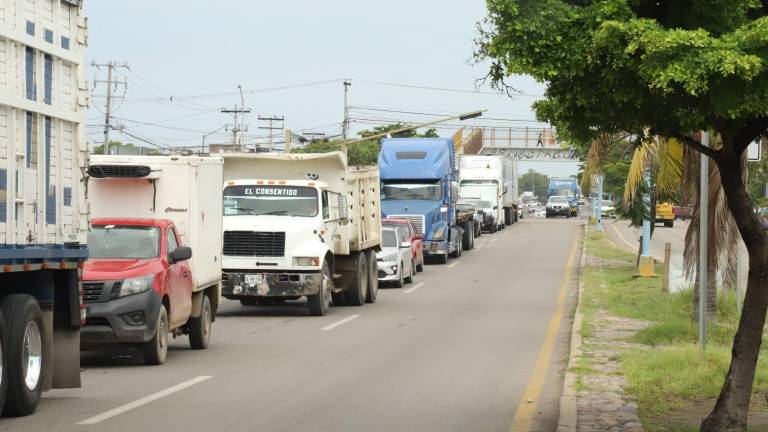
(43, 101)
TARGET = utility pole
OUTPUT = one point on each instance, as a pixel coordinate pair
(270, 128)
(110, 82)
(237, 128)
(345, 124)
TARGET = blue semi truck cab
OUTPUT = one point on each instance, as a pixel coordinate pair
(419, 183)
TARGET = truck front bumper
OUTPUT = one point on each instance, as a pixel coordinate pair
(433, 248)
(130, 319)
(238, 284)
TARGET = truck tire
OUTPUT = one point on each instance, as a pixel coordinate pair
(26, 353)
(507, 217)
(467, 235)
(409, 279)
(493, 228)
(399, 282)
(156, 350)
(669, 224)
(373, 277)
(3, 360)
(200, 327)
(358, 290)
(338, 299)
(318, 303)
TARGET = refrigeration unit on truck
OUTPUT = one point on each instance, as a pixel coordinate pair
(485, 178)
(420, 183)
(155, 242)
(43, 211)
(300, 225)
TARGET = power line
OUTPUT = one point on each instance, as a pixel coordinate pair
(443, 89)
(360, 108)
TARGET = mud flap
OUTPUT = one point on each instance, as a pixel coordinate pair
(65, 356)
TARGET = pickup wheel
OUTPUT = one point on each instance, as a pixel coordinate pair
(373, 277)
(200, 327)
(156, 350)
(358, 290)
(25, 355)
(319, 303)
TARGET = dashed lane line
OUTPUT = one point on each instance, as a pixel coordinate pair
(414, 288)
(455, 263)
(340, 322)
(143, 401)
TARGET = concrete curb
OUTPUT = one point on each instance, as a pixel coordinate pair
(567, 418)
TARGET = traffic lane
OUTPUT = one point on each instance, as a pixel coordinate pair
(438, 358)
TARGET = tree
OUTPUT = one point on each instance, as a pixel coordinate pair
(651, 68)
(540, 184)
(365, 152)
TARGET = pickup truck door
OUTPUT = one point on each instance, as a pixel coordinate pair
(180, 284)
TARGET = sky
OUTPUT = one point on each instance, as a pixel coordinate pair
(408, 61)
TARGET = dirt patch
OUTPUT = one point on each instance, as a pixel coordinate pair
(691, 415)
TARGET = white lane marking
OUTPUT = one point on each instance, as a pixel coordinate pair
(454, 264)
(143, 401)
(415, 287)
(494, 239)
(340, 322)
(479, 247)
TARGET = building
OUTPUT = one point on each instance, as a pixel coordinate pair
(43, 98)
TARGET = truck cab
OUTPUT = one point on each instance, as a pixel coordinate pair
(137, 284)
(419, 184)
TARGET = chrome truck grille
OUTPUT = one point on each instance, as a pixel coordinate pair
(416, 220)
(254, 243)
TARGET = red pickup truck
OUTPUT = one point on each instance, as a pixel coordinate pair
(138, 287)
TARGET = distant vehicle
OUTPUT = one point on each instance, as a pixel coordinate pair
(155, 265)
(491, 178)
(607, 209)
(581, 201)
(541, 213)
(490, 224)
(558, 206)
(568, 187)
(395, 262)
(682, 212)
(408, 232)
(665, 214)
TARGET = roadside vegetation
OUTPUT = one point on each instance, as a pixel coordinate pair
(665, 368)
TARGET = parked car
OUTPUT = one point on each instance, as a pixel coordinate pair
(558, 206)
(607, 209)
(409, 233)
(395, 262)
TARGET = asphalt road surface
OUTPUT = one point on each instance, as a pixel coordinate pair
(454, 351)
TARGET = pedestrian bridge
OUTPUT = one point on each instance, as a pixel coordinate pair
(518, 143)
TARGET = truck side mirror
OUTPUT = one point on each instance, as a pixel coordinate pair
(343, 209)
(181, 253)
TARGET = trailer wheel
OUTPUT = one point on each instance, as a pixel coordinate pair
(466, 237)
(357, 292)
(318, 303)
(200, 327)
(156, 350)
(26, 353)
(373, 277)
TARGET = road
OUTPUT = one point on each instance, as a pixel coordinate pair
(627, 237)
(455, 351)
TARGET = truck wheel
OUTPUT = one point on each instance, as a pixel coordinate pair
(669, 224)
(26, 353)
(399, 282)
(493, 228)
(248, 301)
(156, 351)
(357, 292)
(466, 237)
(318, 303)
(3, 361)
(338, 299)
(373, 277)
(409, 279)
(200, 327)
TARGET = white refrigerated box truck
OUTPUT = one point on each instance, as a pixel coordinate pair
(179, 198)
(300, 225)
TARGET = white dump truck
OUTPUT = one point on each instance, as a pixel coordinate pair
(490, 179)
(300, 225)
(155, 243)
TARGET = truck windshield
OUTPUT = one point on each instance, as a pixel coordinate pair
(558, 199)
(280, 200)
(429, 191)
(479, 182)
(123, 241)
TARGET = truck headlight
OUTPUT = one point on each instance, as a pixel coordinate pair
(306, 261)
(136, 285)
(439, 234)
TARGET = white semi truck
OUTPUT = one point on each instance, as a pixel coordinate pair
(492, 179)
(300, 225)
